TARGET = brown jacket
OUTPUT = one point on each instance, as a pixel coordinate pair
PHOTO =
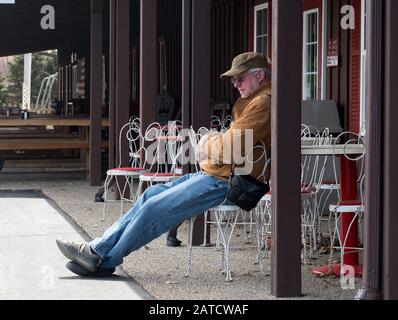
(253, 112)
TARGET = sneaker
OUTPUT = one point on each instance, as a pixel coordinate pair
(173, 242)
(98, 198)
(79, 270)
(81, 253)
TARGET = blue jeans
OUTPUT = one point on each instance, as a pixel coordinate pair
(159, 208)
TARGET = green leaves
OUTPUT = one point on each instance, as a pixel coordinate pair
(3, 93)
(43, 65)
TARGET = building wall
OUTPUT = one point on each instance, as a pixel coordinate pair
(342, 83)
(355, 71)
(230, 37)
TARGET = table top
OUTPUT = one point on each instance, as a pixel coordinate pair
(330, 150)
(61, 121)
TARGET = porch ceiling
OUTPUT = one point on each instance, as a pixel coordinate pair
(20, 30)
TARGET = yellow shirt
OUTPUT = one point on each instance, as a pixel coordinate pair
(253, 112)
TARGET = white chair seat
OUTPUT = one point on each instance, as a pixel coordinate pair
(159, 177)
(330, 187)
(225, 208)
(359, 207)
(306, 195)
(126, 172)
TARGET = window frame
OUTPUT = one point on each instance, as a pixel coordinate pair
(362, 108)
(257, 8)
(306, 13)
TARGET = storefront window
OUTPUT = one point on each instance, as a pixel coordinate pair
(311, 45)
(261, 29)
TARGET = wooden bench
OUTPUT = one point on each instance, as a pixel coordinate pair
(46, 144)
(67, 134)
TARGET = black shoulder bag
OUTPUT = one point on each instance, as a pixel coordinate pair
(246, 191)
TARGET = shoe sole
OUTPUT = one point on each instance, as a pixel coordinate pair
(80, 271)
(71, 256)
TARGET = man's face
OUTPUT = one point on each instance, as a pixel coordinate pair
(247, 82)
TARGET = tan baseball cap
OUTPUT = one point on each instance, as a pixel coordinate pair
(245, 62)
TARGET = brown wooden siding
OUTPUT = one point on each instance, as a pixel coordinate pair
(355, 70)
(169, 31)
(229, 38)
(337, 87)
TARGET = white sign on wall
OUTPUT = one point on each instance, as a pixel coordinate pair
(333, 53)
(333, 61)
(7, 1)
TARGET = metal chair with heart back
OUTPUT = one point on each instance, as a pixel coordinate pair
(123, 177)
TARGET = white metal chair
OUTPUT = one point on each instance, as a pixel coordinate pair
(356, 207)
(165, 150)
(263, 214)
(131, 132)
(312, 173)
(227, 217)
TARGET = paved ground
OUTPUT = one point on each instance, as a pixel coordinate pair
(158, 269)
(31, 267)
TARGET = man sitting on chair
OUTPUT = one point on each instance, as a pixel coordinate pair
(164, 206)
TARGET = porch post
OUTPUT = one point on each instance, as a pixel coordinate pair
(95, 93)
(286, 149)
(390, 217)
(201, 36)
(374, 128)
(200, 81)
(186, 67)
(122, 89)
(148, 63)
(112, 84)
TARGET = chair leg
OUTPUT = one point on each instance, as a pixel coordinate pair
(190, 235)
(226, 239)
(205, 229)
(107, 183)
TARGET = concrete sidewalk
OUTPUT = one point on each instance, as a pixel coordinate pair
(31, 267)
(159, 269)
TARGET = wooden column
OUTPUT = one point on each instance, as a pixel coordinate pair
(374, 128)
(112, 84)
(186, 63)
(286, 154)
(95, 93)
(186, 68)
(390, 172)
(148, 63)
(122, 76)
(200, 81)
(196, 41)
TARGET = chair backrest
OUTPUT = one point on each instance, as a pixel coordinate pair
(130, 132)
(262, 156)
(174, 142)
(221, 124)
(163, 146)
(135, 139)
(313, 166)
(344, 141)
(194, 138)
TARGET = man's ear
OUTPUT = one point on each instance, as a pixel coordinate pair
(261, 75)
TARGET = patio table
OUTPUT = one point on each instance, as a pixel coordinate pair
(348, 185)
